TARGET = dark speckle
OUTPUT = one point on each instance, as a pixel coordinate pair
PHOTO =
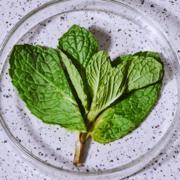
(164, 10)
(152, 5)
(142, 1)
(156, 126)
(176, 152)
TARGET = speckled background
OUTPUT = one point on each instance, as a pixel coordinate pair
(165, 166)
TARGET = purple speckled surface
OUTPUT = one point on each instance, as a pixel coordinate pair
(167, 164)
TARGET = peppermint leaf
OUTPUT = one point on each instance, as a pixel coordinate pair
(39, 78)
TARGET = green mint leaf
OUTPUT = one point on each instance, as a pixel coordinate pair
(143, 71)
(127, 114)
(145, 68)
(79, 44)
(106, 83)
(39, 78)
(122, 118)
(76, 80)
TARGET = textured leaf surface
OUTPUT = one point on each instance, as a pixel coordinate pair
(76, 80)
(106, 83)
(79, 43)
(37, 74)
(145, 68)
(143, 71)
(126, 115)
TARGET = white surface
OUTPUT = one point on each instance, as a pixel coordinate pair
(166, 166)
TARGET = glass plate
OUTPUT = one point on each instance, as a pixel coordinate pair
(120, 29)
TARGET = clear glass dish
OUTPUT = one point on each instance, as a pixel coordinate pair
(120, 29)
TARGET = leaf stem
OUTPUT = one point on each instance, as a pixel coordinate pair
(80, 149)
